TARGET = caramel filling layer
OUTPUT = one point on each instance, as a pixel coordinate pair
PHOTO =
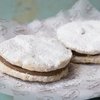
(17, 68)
(83, 55)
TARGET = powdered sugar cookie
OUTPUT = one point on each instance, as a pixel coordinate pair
(82, 37)
(34, 57)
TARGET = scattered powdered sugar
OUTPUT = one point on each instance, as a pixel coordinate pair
(56, 21)
(35, 26)
(7, 29)
(80, 81)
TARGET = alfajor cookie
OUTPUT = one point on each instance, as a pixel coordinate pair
(33, 58)
(83, 37)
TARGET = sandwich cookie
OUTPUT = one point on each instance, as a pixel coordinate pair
(82, 37)
(33, 58)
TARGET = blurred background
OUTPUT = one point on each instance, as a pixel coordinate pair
(27, 10)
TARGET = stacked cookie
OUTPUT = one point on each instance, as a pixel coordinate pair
(83, 38)
(32, 58)
(45, 59)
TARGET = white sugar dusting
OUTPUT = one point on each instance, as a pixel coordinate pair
(35, 53)
(81, 36)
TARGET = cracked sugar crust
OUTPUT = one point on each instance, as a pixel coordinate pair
(35, 53)
(81, 36)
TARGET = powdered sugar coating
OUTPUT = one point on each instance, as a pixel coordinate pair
(56, 21)
(82, 37)
(35, 53)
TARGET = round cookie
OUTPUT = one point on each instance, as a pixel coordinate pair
(38, 58)
(81, 36)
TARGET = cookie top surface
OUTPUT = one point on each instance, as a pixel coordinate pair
(82, 37)
(35, 53)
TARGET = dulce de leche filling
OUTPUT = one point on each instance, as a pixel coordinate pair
(17, 68)
(82, 55)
